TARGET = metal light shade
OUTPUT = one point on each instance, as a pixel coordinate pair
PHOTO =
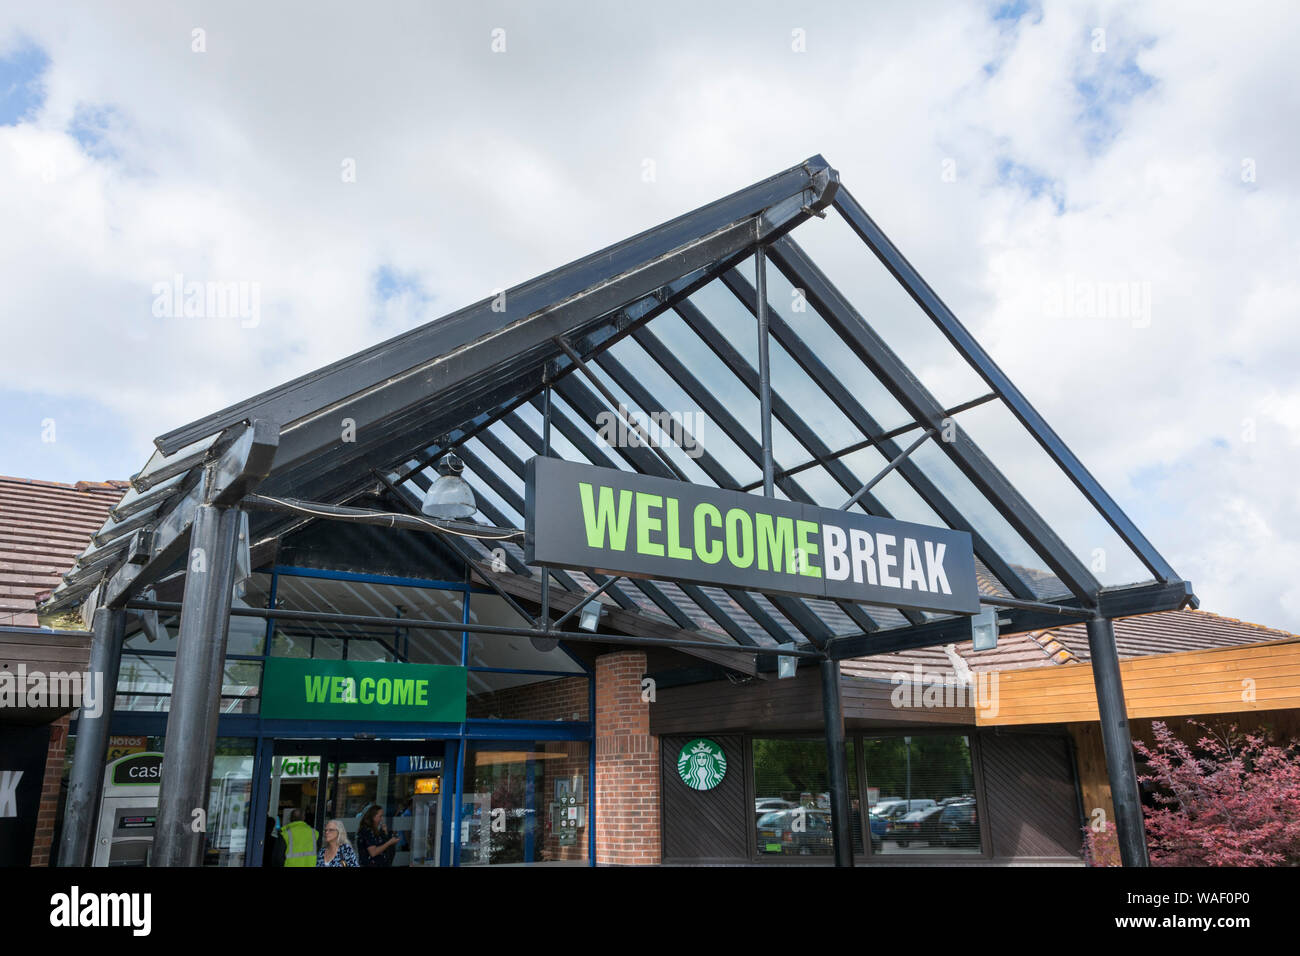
(450, 495)
(589, 618)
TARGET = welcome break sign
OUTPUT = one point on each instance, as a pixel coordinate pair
(580, 516)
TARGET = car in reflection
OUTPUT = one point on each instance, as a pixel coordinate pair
(885, 815)
(918, 826)
(765, 805)
(782, 831)
(959, 825)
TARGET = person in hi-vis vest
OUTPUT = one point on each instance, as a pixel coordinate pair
(299, 841)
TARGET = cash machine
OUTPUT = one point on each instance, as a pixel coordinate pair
(128, 812)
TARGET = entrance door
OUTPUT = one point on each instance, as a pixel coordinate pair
(340, 780)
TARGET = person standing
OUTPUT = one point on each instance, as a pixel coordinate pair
(272, 846)
(375, 845)
(299, 841)
(336, 850)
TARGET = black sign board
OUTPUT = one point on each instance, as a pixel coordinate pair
(22, 775)
(580, 516)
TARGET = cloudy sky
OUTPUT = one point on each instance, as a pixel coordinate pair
(370, 167)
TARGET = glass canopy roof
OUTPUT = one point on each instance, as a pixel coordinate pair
(865, 362)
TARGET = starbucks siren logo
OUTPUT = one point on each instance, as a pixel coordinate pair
(702, 764)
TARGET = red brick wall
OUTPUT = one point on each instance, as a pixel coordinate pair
(41, 846)
(627, 765)
(561, 699)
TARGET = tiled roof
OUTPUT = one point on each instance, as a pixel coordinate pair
(44, 525)
(1163, 633)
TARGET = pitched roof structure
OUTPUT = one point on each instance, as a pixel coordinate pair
(44, 526)
(1166, 632)
(881, 402)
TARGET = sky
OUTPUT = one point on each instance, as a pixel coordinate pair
(357, 170)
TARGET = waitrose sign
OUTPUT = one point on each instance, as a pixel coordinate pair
(358, 690)
(580, 516)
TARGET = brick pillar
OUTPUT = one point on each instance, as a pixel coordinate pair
(50, 792)
(627, 765)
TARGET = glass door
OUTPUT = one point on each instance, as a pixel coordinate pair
(323, 780)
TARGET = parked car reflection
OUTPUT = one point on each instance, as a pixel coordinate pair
(799, 830)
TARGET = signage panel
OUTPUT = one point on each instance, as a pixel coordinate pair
(362, 690)
(580, 516)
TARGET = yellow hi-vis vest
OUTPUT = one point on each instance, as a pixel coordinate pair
(299, 844)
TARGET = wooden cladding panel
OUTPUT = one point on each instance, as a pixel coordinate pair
(1030, 796)
(1190, 682)
(707, 825)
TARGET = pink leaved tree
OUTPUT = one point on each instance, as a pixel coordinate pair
(1234, 800)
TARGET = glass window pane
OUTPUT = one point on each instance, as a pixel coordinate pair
(229, 800)
(921, 791)
(792, 802)
(1050, 492)
(887, 307)
(535, 794)
(813, 331)
(988, 521)
(332, 640)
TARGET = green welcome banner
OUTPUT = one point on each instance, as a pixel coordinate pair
(604, 519)
(299, 689)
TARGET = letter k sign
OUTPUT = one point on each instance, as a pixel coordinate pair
(9, 792)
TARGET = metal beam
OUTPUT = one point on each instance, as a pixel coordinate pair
(1117, 741)
(196, 689)
(836, 762)
(764, 370)
(86, 778)
(1121, 602)
(888, 469)
(965, 343)
(384, 519)
(331, 617)
(917, 400)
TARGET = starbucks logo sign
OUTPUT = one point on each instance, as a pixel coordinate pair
(701, 764)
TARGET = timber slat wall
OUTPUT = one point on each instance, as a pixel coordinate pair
(1030, 796)
(1188, 682)
(702, 826)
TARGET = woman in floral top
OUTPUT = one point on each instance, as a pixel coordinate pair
(335, 849)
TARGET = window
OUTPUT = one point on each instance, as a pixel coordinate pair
(525, 803)
(921, 792)
(792, 800)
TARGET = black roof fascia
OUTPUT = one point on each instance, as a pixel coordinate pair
(1114, 602)
(812, 183)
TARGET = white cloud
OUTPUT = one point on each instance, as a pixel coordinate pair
(478, 170)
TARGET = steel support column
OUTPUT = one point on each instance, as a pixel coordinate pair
(1117, 742)
(836, 764)
(86, 779)
(764, 369)
(196, 689)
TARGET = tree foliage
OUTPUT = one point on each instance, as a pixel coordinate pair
(1232, 800)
